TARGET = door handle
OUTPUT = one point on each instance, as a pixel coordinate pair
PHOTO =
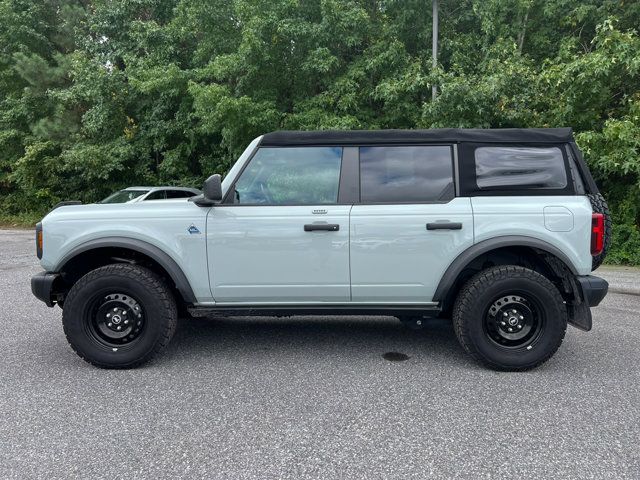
(444, 226)
(327, 227)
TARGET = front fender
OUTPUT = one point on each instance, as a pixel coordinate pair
(173, 233)
(159, 256)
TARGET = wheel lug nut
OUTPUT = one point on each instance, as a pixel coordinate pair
(505, 314)
(109, 324)
(126, 322)
(502, 323)
(119, 327)
(108, 315)
(521, 317)
(510, 329)
(513, 311)
(519, 326)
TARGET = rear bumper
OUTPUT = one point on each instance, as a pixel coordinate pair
(42, 286)
(593, 288)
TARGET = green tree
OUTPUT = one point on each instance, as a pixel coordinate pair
(100, 94)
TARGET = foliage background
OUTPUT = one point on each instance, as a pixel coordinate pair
(100, 94)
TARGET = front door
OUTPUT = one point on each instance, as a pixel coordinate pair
(282, 237)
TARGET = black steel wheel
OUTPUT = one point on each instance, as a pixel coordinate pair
(513, 321)
(115, 319)
(510, 318)
(119, 316)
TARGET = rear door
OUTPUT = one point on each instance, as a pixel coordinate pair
(409, 225)
(282, 237)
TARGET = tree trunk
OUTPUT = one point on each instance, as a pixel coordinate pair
(434, 46)
(523, 30)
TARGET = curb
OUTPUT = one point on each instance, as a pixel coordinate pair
(625, 291)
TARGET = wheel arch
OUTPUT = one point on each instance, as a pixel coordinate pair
(529, 246)
(93, 254)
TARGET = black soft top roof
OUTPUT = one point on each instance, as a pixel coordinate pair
(449, 135)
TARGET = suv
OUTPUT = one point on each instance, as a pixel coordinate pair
(496, 229)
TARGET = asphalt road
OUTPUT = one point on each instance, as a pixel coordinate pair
(298, 398)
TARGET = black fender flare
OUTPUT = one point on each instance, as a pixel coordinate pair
(158, 255)
(470, 254)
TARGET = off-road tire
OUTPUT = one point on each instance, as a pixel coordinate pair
(480, 293)
(599, 205)
(152, 295)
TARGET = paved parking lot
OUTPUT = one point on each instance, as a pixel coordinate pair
(312, 398)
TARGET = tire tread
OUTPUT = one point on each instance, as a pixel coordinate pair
(475, 287)
(150, 280)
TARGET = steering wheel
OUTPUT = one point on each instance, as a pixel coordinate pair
(264, 190)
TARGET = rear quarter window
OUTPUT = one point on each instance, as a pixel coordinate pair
(503, 167)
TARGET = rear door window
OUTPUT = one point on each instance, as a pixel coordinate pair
(520, 167)
(179, 194)
(406, 174)
(157, 195)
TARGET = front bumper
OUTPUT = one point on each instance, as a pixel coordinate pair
(42, 287)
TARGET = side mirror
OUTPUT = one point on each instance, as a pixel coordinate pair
(212, 188)
(211, 192)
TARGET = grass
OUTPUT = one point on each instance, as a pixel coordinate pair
(27, 221)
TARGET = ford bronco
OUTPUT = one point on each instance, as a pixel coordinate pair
(498, 230)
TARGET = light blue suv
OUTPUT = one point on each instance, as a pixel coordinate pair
(497, 229)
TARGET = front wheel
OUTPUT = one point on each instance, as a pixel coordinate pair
(119, 316)
(510, 318)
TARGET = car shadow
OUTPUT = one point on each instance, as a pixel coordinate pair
(347, 337)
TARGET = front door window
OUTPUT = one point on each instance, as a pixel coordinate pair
(290, 176)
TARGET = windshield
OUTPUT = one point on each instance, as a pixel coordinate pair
(123, 196)
(231, 174)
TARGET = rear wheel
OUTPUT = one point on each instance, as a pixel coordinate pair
(119, 316)
(510, 318)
